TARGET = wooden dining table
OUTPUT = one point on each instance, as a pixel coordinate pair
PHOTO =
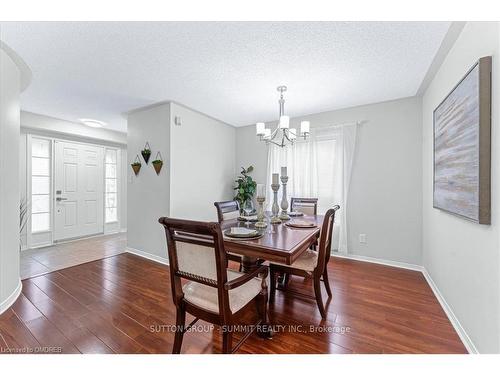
(279, 243)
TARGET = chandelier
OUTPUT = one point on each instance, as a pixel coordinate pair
(283, 135)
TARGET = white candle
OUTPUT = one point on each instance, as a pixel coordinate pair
(260, 128)
(284, 122)
(275, 178)
(283, 171)
(304, 127)
(261, 191)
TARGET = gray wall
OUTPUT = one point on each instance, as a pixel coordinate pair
(463, 257)
(385, 196)
(148, 195)
(202, 155)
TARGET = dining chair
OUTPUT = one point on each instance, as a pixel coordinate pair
(311, 263)
(229, 210)
(308, 206)
(213, 292)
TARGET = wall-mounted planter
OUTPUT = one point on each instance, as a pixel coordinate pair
(146, 152)
(158, 163)
(136, 165)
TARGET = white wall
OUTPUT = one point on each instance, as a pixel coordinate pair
(202, 164)
(463, 257)
(10, 86)
(385, 196)
(148, 195)
(124, 168)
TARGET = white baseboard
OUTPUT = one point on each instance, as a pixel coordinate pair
(392, 263)
(461, 332)
(143, 254)
(12, 298)
(469, 345)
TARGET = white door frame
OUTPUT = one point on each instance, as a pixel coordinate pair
(48, 236)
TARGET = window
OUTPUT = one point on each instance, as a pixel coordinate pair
(319, 167)
(111, 186)
(311, 170)
(40, 185)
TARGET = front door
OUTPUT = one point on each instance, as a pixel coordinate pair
(79, 186)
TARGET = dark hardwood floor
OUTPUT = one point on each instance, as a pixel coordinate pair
(122, 304)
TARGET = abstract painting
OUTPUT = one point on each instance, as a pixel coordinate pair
(462, 128)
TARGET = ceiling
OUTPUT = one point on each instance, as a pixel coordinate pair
(228, 70)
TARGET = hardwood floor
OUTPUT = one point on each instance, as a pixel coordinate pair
(122, 304)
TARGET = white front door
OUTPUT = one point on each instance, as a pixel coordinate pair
(79, 190)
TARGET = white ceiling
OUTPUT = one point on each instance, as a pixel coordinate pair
(227, 70)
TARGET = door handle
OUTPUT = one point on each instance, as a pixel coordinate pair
(61, 199)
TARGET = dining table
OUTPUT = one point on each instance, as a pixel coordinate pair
(279, 242)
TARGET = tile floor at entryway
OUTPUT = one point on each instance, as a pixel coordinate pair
(36, 262)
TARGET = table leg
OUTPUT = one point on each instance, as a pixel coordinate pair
(283, 281)
(248, 264)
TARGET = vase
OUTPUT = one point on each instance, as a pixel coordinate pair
(248, 207)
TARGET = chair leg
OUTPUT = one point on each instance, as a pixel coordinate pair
(286, 280)
(319, 298)
(272, 280)
(180, 322)
(227, 342)
(327, 282)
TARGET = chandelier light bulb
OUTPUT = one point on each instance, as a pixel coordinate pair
(305, 127)
(260, 128)
(284, 122)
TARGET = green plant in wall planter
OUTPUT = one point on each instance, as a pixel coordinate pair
(146, 152)
(245, 188)
(136, 165)
(158, 163)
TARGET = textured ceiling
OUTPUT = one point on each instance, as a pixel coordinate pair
(227, 70)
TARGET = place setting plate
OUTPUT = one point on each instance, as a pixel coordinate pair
(301, 224)
(295, 214)
(249, 219)
(241, 234)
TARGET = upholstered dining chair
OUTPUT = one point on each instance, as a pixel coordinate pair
(308, 206)
(229, 210)
(311, 263)
(213, 293)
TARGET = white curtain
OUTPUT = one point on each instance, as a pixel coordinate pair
(319, 167)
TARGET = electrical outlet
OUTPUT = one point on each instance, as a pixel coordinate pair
(362, 238)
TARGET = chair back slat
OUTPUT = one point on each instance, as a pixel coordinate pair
(227, 210)
(308, 206)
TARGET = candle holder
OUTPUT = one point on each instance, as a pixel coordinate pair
(275, 209)
(260, 215)
(284, 201)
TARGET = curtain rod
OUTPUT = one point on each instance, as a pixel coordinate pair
(341, 124)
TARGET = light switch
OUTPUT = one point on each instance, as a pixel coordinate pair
(362, 238)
